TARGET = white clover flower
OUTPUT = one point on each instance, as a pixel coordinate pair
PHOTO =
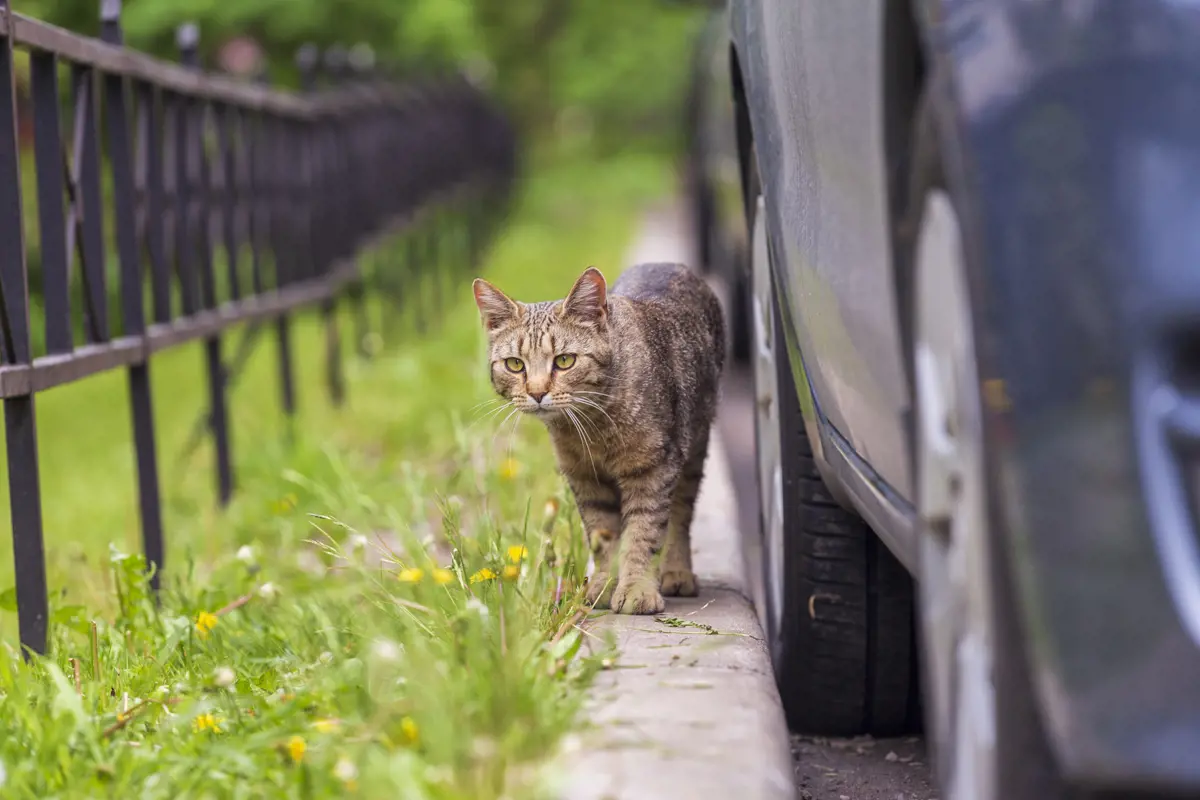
(439, 773)
(474, 604)
(245, 554)
(308, 561)
(345, 770)
(358, 541)
(224, 677)
(325, 657)
(483, 747)
(268, 591)
(386, 651)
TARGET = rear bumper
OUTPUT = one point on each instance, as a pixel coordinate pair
(1077, 147)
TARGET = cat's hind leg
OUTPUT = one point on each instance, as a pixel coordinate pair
(678, 579)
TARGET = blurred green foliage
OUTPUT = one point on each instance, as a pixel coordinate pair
(608, 72)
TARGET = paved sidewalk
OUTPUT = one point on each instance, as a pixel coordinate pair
(690, 709)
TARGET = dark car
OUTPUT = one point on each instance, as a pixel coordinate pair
(713, 175)
(974, 317)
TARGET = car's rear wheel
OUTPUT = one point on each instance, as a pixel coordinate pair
(740, 317)
(982, 719)
(838, 606)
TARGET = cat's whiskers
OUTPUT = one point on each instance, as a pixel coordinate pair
(487, 402)
(593, 404)
(575, 419)
(602, 398)
(512, 435)
(483, 413)
(583, 437)
(490, 414)
(586, 420)
(516, 410)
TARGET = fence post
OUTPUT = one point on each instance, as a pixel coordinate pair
(273, 182)
(321, 176)
(359, 62)
(20, 425)
(132, 304)
(188, 39)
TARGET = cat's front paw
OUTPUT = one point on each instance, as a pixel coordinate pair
(639, 596)
(599, 591)
(679, 583)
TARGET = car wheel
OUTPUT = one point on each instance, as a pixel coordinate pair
(981, 714)
(838, 606)
(740, 318)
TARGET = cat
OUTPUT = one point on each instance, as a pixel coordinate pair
(626, 383)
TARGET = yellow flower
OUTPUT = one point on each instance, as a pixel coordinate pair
(484, 574)
(442, 576)
(516, 553)
(296, 748)
(509, 469)
(284, 504)
(511, 572)
(408, 726)
(326, 725)
(205, 622)
(411, 575)
(206, 722)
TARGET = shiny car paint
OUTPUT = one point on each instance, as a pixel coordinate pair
(1074, 131)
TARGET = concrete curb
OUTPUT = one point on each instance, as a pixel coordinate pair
(690, 709)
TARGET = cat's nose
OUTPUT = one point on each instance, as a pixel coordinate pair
(537, 396)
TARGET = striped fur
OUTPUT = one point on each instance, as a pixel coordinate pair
(629, 417)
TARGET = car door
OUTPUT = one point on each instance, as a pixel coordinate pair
(816, 108)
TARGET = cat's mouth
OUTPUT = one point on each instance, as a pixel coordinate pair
(541, 411)
(543, 408)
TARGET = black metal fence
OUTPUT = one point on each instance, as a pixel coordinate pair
(209, 202)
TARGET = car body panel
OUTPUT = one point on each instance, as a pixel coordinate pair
(717, 192)
(1077, 137)
(1072, 130)
(849, 477)
(826, 189)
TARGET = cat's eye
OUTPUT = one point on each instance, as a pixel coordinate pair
(514, 364)
(564, 360)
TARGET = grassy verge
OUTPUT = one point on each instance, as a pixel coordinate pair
(387, 607)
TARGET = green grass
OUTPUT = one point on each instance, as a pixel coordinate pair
(339, 666)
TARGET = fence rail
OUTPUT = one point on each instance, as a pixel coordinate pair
(210, 202)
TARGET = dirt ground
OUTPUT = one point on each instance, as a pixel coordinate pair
(861, 769)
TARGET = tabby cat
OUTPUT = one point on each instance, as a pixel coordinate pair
(626, 383)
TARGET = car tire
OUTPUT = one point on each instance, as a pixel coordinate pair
(838, 605)
(982, 718)
(740, 330)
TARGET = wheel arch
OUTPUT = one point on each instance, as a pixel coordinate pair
(745, 135)
(905, 74)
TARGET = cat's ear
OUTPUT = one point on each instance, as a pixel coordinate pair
(496, 309)
(588, 300)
